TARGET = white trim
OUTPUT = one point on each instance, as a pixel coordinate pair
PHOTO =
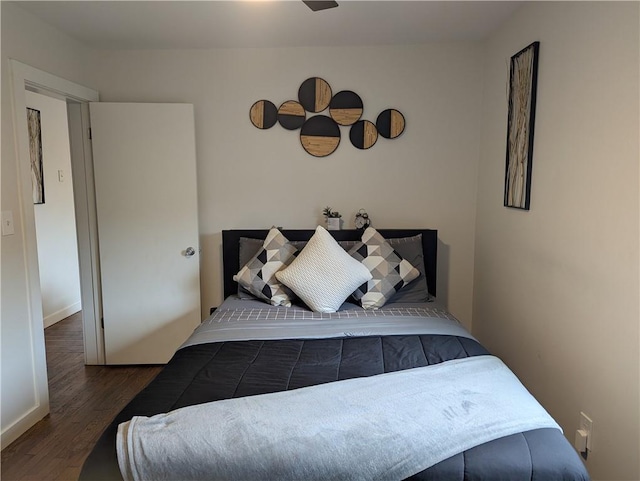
(63, 313)
(87, 229)
(22, 425)
(30, 255)
(23, 76)
(39, 79)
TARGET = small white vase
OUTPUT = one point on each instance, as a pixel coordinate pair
(333, 223)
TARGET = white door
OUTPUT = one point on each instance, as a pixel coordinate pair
(145, 176)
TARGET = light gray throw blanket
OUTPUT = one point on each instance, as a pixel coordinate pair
(388, 426)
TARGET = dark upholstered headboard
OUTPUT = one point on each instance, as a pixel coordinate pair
(231, 249)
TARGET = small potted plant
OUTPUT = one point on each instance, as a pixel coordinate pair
(333, 218)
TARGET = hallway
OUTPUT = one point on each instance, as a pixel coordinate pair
(83, 400)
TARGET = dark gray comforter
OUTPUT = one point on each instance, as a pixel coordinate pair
(222, 370)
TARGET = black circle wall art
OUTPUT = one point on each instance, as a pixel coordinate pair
(390, 123)
(314, 94)
(291, 115)
(263, 114)
(363, 134)
(320, 136)
(346, 107)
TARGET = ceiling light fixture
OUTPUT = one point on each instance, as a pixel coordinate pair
(320, 5)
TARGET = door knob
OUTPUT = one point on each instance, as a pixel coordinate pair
(189, 252)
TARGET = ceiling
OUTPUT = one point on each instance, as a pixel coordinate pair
(262, 23)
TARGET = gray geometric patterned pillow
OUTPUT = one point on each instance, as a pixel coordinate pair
(389, 270)
(258, 275)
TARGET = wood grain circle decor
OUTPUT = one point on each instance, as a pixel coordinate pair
(363, 134)
(263, 114)
(346, 107)
(320, 135)
(314, 94)
(390, 123)
(291, 115)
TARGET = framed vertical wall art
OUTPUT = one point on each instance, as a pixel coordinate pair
(523, 80)
(35, 153)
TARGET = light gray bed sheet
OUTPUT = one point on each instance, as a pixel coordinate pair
(247, 319)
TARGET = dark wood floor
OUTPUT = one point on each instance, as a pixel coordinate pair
(83, 400)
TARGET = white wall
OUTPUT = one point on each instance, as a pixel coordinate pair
(30, 41)
(570, 285)
(252, 178)
(556, 288)
(55, 219)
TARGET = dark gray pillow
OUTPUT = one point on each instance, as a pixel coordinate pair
(410, 248)
(248, 249)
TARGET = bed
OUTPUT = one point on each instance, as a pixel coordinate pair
(327, 350)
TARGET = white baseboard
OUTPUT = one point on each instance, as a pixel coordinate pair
(57, 316)
(22, 425)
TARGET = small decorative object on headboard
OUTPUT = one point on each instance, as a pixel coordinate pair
(320, 134)
(333, 218)
(362, 220)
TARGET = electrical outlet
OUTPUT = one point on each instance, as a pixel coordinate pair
(580, 443)
(586, 425)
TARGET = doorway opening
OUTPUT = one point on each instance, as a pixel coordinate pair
(54, 209)
(56, 235)
(34, 401)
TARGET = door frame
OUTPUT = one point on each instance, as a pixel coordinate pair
(26, 77)
(77, 98)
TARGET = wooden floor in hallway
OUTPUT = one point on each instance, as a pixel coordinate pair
(83, 400)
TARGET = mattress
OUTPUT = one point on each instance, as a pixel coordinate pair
(203, 371)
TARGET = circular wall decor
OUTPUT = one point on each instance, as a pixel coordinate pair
(314, 94)
(263, 114)
(320, 135)
(390, 123)
(291, 115)
(345, 107)
(363, 134)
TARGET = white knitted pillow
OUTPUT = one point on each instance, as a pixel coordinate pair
(323, 275)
